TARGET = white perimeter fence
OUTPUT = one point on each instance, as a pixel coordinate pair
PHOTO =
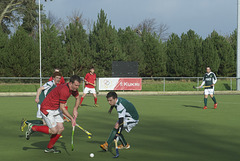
(148, 83)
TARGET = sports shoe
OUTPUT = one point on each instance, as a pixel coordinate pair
(96, 105)
(23, 124)
(104, 146)
(215, 106)
(52, 150)
(29, 131)
(205, 107)
(124, 147)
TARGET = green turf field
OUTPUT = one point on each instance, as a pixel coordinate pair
(171, 128)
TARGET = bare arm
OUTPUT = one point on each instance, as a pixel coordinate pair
(77, 103)
(38, 94)
(65, 112)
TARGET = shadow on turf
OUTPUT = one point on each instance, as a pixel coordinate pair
(110, 149)
(42, 145)
(85, 105)
(34, 135)
(192, 106)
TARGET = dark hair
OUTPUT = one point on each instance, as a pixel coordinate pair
(75, 78)
(112, 94)
(92, 67)
(56, 74)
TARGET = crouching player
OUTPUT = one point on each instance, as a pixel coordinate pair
(127, 119)
(52, 108)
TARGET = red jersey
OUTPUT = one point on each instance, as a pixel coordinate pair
(58, 95)
(90, 78)
(62, 81)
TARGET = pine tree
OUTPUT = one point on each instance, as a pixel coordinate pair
(225, 53)
(22, 59)
(210, 55)
(53, 52)
(154, 55)
(104, 45)
(77, 46)
(173, 55)
(131, 45)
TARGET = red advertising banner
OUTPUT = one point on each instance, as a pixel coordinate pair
(120, 83)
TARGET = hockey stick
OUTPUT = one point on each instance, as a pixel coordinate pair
(87, 132)
(201, 87)
(73, 129)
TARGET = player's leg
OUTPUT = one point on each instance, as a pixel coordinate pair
(206, 92)
(49, 128)
(84, 94)
(110, 138)
(213, 98)
(129, 124)
(54, 138)
(25, 122)
(95, 99)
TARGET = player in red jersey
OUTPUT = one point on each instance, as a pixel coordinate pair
(90, 83)
(62, 81)
(52, 108)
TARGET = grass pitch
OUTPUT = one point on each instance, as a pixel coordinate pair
(171, 128)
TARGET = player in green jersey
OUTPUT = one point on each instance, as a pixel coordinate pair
(42, 92)
(127, 119)
(209, 80)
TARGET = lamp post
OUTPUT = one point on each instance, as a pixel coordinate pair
(40, 46)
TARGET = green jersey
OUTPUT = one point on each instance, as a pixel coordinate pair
(48, 87)
(209, 79)
(126, 109)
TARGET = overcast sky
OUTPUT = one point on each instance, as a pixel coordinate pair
(202, 16)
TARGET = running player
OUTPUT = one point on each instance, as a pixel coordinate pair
(209, 79)
(52, 108)
(42, 92)
(127, 119)
(90, 83)
(62, 81)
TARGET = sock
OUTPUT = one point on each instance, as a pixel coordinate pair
(35, 122)
(95, 100)
(214, 100)
(112, 136)
(205, 101)
(43, 129)
(122, 139)
(81, 100)
(53, 140)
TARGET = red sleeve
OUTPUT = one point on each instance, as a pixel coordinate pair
(95, 76)
(62, 81)
(86, 77)
(64, 95)
(50, 79)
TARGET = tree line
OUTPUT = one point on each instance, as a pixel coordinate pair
(74, 50)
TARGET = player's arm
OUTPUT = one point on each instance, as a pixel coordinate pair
(65, 112)
(77, 103)
(38, 93)
(110, 109)
(214, 80)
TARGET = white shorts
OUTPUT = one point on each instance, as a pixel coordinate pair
(39, 115)
(89, 90)
(208, 91)
(129, 123)
(53, 117)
